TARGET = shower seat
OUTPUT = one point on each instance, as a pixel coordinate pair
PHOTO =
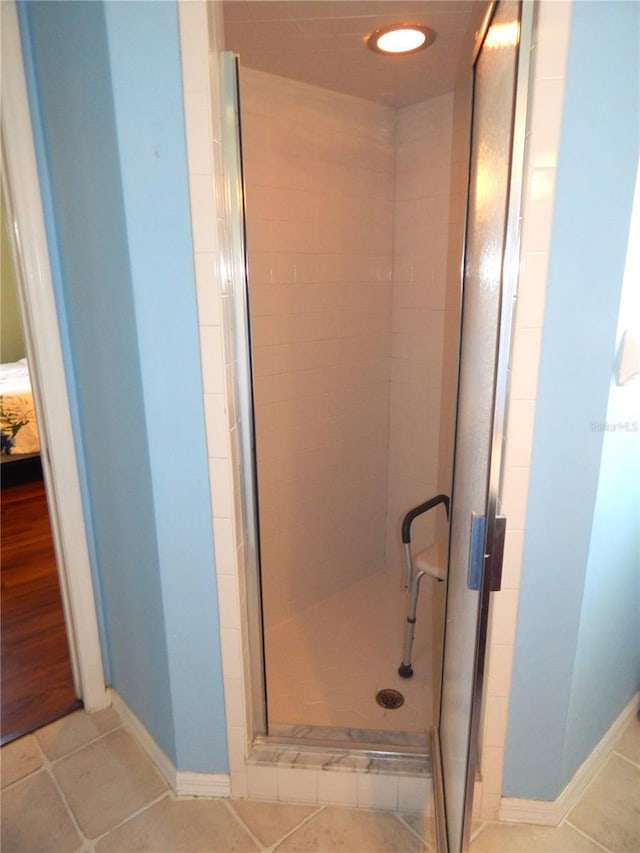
(431, 561)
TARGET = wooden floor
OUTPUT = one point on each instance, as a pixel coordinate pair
(37, 685)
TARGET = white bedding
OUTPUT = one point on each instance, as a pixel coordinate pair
(17, 415)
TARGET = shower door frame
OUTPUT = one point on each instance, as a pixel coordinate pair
(493, 536)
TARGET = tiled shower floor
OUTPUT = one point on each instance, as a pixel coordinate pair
(325, 667)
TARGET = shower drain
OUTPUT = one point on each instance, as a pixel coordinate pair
(389, 698)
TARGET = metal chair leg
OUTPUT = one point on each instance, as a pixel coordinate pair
(405, 669)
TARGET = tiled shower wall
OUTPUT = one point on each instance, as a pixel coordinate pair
(319, 175)
(431, 174)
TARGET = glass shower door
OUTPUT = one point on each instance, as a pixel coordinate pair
(490, 270)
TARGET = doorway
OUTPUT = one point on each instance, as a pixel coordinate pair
(355, 206)
(37, 677)
(39, 314)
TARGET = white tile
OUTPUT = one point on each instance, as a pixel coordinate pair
(538, 210)
(552, 46)
(492, 764)
(262, 782)
(230, 642)
(337, 788)
(520, 423)
(546, 120)
(532, 290)
(237, 746)
(208, 288)
(228, 604)
(212, 359)
(489, 806)
(198, 133)
(225, 547)
(203, 213)
(221, 494)
(297, 785)
(377, 791)
(217, 426)
(193, 45)
(512, 563)
(504, 617)
(525, 364)
(495, 720)
(239, 785)
(514, 496)
(499, 669)
(234, 701)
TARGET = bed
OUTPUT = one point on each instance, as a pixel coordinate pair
(18, 428)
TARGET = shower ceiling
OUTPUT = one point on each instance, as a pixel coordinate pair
(323, 42)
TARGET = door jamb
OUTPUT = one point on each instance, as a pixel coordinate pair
(28, 239)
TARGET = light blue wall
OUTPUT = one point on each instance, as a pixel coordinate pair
(105, 91)
(608, 647)
(569, 684)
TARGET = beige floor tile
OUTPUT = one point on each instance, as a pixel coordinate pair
(609, 810)
(75, 730)
(179, 826)
(19, 758)
(518, 838)
(107, 781)
(34, 818)
(352, 830)
(270, 821)
(629, 743)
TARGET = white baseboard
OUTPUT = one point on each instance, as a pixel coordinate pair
(551, 812)
(183, 783)
(202, 784)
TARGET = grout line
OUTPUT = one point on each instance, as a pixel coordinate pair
(43, 758)
(476, 833)
(47, 768)
(50, 762)
(291, 832)
(87, 844)
(77, 749)
(247, 829)
(625, 758)
(144, 808)
(413, 832)
(584, 834)
(43, 766)
(65, 802)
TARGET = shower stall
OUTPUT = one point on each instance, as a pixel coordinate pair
(373, 433)
(354, 231)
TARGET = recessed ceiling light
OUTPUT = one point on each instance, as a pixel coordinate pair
(401, 39)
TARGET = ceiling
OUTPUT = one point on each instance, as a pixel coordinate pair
(323, 42)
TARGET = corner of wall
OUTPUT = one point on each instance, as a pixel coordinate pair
(201, 37)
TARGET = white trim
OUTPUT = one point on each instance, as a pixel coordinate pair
(139, 731)
(22, 188)
(551, 812)
(215, 785)
(183, 783)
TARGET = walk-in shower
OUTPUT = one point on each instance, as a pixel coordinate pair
(354, 208)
